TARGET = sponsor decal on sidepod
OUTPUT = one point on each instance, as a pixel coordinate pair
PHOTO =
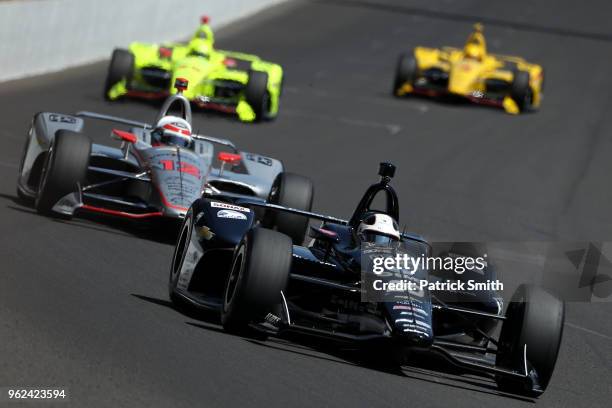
(217, 204)
(234, 215)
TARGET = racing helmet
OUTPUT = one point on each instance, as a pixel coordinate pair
(378, 229)
(174, 131)
(476, 46)
(473, 51)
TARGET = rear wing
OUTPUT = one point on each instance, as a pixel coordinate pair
(263, 204)
(129, 122)
(109, 118)
(326, 218)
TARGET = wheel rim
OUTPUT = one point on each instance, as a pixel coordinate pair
(45, 171)
(25, 152)
(269, 216)
(180, 251)
(528, 99)
(509, 345)
(234, 277)
(265, 105)
(274, 193)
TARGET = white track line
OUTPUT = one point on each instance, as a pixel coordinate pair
(584, 329)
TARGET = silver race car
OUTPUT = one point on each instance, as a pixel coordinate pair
(157, 172)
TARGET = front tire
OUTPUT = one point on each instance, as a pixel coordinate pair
(180, 250)
(259, 272)
(293, 191)
(64, 169)
(534, 319)
(405, 72)
(257, 95)
(521, 90)
(121, 67)
(21, 195)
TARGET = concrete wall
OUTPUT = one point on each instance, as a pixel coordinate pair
(38, 36)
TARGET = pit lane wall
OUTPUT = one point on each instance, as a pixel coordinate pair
(40, 36)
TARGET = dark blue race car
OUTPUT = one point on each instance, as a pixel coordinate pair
(228, 261)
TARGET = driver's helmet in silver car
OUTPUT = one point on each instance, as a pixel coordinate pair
(173, 131)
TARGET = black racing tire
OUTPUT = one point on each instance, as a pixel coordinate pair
(259, 272)
(121, 67)
(269, 116)
(180, 250)
(520, 90)
(293, 191)
(405, 72)
(534, 318)
(64, 169)
(257, 95)
(24, 199)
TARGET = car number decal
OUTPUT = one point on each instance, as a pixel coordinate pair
(259, 159)
(169, 165)
(62, 118)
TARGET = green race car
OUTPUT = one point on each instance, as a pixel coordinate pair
(226, 81)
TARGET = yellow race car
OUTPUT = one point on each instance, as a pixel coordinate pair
(471, 73)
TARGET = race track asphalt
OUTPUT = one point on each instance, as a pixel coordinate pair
(84, 305)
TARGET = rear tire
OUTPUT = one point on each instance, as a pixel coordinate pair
(406, 71)
(64, 169)
(257, 95)
(259, 272)
(121, 67)
(534, 318)
(521, 90)
(293, 191)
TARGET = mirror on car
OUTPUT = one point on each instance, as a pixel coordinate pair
(124, 136)
(323, 234)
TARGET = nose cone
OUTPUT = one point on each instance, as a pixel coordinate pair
(177, 180)
(415, 336)
(412, 323)
(463, 77)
